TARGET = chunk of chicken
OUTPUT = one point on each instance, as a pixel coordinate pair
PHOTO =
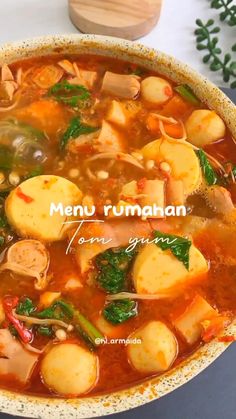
(175, 192)
(189, 324)
(117, 114)
(84, 142)
(121, 85)
(154, 193)
(109, 139)
(15, 360)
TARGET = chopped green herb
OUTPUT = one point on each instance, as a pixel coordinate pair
(179, 246)
(70, 94)
(25, 307)
(75, 129)
(119, 311)
(111, 279)
(45, 331)
(186, 92)
(208, 171)
(58, 310)
(113, 265)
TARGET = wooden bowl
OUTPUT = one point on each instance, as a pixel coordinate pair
(154, 388)
(121, 18)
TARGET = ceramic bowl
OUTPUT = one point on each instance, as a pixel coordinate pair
(154, 388)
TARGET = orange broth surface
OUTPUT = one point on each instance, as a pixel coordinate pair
(216, 241)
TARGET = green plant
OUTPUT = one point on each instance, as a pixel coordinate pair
(113, 265)
(227, 10)
(120, 311)
(206, 41)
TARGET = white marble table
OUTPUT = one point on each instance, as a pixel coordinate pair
(21, 19)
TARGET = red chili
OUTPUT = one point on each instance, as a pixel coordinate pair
(141, 184)
(9, 303)
(21, 195)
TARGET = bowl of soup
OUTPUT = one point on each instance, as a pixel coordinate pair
(117, 224)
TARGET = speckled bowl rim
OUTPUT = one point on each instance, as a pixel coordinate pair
(154, 388)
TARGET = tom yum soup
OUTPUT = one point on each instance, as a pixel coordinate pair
(93, 131)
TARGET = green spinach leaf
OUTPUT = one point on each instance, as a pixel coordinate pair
(45, 331)
(208, 171)
(186, 92)
(58, 310)
(25, 307)
(179, 246)
(73, 95)
(120, 311)
(75, 129)
(113, 265)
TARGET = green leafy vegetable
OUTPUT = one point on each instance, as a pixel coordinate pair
(73, 95)
(62, 310)
(208, 171)
(119, 311)
(2, 240)
(179, 246)
(75, 129)
(227, 10)
(208, 42)
(45, 331)
(91, 335)
(186, 92)
(25, 307)
(58, 310)
(113, 265)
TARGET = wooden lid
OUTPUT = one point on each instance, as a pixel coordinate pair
(121, 18)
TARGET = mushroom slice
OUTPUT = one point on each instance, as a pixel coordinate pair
(85, 77)
(7, 89)
(67, 66)
(6, 74)
(29, 258)
(219, 199)
(48, 76)
(121, 85)
(15, 359)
